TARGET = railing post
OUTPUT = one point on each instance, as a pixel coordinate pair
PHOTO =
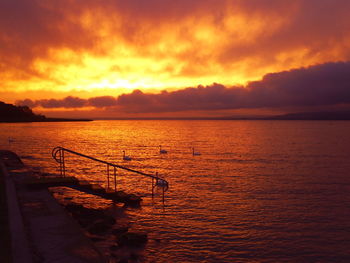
(61, 168)
(107, 176)
(63, 164)
(115, 179)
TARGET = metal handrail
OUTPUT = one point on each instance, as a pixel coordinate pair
(61, 160)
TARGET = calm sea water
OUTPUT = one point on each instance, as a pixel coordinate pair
(261, 191)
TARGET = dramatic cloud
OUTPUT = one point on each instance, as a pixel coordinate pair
(104, 101)
(68, 102)
(120, 46)
(320, 85)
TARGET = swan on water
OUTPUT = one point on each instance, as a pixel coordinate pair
(195, 153)
(162, 150)
(162, 183)
(125, 157)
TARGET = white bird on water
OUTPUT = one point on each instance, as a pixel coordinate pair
(162, 150)
(125, 157)
(195, 153)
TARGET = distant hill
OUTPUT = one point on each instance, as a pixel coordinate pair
(337, 115)
(12, 113)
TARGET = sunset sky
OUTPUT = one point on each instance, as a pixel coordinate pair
(117, 58)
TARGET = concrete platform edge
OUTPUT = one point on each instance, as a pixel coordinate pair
(19, 240)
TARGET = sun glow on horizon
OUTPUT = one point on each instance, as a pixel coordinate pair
(86, 53)
(67, 70)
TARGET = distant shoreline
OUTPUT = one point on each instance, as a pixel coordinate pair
(274, 118)
(48, 120)
(215, 119)
(299, 116)
(18, 114)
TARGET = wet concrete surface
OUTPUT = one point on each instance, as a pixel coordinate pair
(41, 230)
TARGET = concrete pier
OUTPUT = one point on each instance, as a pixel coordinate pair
(40, 229)
(84, 186)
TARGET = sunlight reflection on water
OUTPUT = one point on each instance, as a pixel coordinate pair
(260, 190)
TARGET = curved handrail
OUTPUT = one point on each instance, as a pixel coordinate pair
(159, 181)
(54, 153)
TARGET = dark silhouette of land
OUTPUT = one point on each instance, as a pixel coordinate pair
(12, 113)
(336, 115)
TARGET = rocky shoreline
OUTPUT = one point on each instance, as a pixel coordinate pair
(113, 236)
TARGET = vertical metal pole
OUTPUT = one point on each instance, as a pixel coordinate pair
(115, 179)
(107, 176)
(64, 165)
(61, 167)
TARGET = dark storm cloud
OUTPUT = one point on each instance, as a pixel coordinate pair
(321, 85)
(212, 97)
(103, 101)
(327, 84)
(68, 102)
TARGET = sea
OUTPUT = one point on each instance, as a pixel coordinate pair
(260, 191)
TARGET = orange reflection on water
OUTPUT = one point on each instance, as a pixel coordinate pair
(260, 190)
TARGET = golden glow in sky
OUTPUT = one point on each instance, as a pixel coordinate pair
(54, 49)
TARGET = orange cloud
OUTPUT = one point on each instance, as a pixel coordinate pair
(316, 86)
(114, 47)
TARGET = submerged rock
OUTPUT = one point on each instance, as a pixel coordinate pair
(73, 207)
(120, 230)
(98, 228)
(95, 220)
(133, 198)
(109, 220)
(128, 199)
(132, 239)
